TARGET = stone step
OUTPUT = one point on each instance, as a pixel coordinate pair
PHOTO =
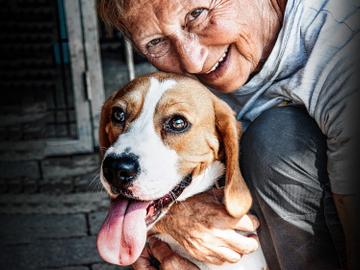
(21, 229)
(53, 204)
(50, 253)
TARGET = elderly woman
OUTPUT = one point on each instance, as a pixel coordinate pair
(287, 68)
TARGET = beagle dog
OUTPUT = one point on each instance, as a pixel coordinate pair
(164, 138)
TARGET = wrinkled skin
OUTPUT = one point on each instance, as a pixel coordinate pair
(168, 259)
(210, 230)
(195, 35)
(198, 38)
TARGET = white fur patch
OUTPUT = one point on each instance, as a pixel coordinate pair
(203, 181)
(158, 162)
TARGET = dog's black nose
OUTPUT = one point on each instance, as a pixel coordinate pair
(120, 170)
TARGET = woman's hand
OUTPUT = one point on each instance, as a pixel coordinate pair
(168, 259)
(204, 228)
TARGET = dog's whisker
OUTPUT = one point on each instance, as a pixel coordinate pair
(95, 179)
(95, 183)
(98, 187)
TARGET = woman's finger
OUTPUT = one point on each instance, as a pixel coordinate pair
(219, 245)
(247, 223)
(240, 243)
(209, 257)
(143, 262)
(245, 244)
(159, 249)
(225, 254)
(212, 249)
(223, 245)
(168, 259)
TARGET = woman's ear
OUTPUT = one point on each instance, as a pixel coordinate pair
(237, 197)
(105, 116)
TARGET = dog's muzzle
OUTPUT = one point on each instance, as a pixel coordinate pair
(120, 170)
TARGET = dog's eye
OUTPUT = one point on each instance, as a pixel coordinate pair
(177, 123)
(118, 115)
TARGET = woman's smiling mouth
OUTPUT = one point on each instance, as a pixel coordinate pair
(219, 61)
(218, 69)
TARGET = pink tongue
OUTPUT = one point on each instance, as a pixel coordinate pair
(123, 234)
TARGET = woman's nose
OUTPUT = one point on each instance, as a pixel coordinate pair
(191, 53)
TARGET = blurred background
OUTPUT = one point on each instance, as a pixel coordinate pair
(58, 63)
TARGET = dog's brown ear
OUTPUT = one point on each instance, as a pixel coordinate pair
(237, 197)
(105, 115)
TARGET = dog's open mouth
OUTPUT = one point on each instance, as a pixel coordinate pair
(154, 210)
(123, 234)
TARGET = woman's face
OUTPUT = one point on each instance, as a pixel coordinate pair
(219, 41)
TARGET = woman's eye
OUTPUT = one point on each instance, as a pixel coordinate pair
(177, 124)
(195, 13)
(118, 115)
(157, 47)
(154, 42)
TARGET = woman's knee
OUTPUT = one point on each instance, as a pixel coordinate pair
(284, 151)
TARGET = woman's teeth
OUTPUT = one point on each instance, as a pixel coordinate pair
(218, 62)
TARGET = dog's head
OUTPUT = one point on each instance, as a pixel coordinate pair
(157, 135)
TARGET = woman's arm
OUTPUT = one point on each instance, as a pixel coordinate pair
(203, 227)
(168, 259)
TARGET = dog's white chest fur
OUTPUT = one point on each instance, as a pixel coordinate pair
(201, 183)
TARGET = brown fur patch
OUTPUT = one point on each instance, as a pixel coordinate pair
(131, 99)
(237, 197)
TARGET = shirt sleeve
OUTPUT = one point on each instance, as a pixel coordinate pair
(335, 112)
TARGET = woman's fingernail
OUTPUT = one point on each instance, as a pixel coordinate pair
(254, 221)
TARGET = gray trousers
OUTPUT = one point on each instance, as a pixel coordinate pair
(283, 159)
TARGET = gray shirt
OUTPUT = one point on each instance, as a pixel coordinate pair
(313, 63)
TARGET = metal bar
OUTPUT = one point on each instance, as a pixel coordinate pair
(62, 37)
(130, 59)
(94, 75)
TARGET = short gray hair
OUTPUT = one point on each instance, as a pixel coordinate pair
(113, 13)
